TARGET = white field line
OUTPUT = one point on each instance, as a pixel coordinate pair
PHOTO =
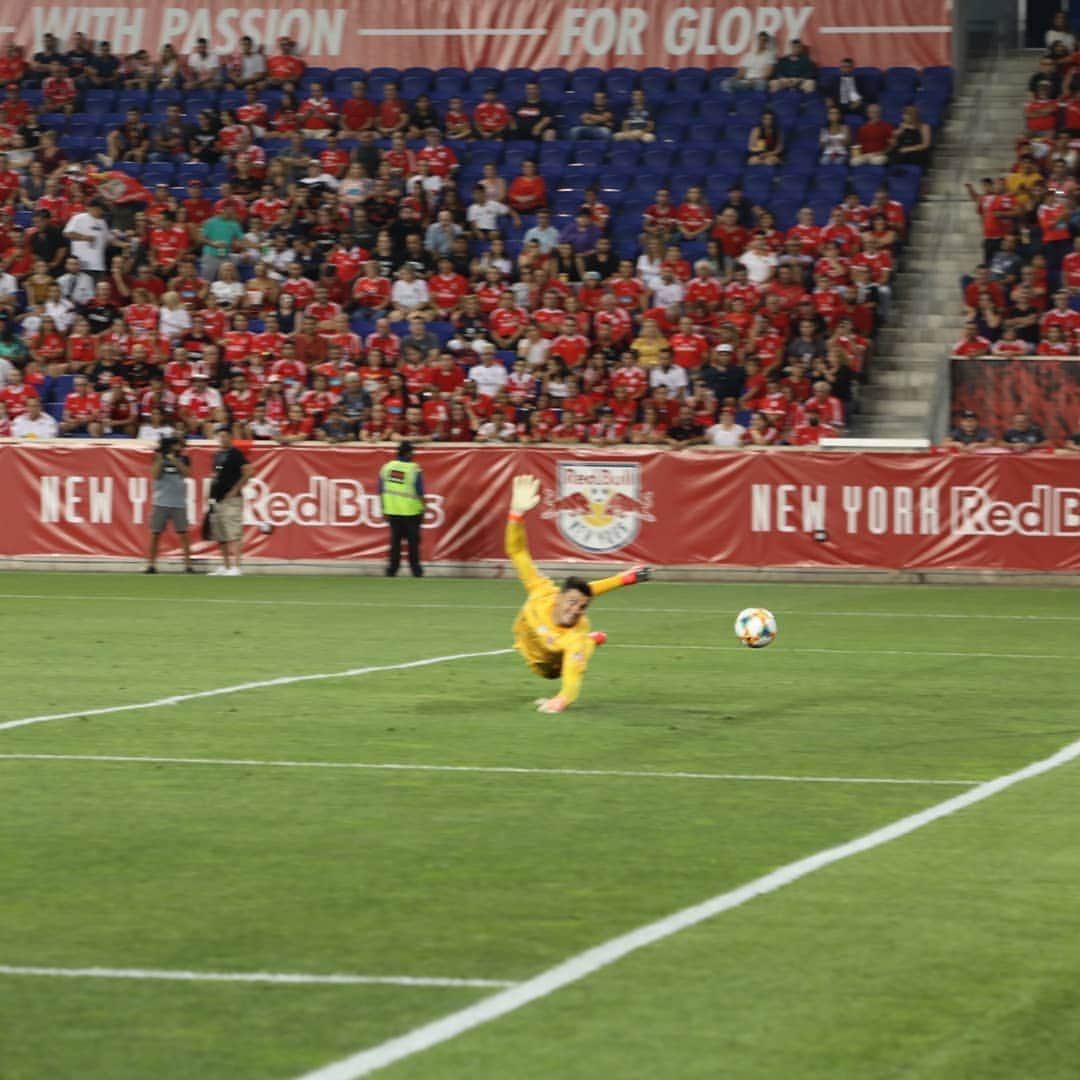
(287, 978)
(284, 680)
(601, 956)
(852, 652)
(513, 770)
(513, 607)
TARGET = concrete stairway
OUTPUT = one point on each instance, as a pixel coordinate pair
(945, 241)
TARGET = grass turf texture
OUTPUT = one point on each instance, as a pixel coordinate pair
(951, 953)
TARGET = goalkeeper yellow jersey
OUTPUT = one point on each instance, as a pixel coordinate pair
(549, 649)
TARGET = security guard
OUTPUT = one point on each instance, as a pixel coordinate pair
(401, 487)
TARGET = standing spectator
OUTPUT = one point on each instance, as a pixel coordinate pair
(796, 71)
(1059, 31)
(231, 473)
(89, 233)
(220, 234)
(401, 489)
(170, 470)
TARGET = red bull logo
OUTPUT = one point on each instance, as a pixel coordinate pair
(599, 507)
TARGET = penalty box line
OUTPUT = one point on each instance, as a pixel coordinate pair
(601, 956)
(284, 680)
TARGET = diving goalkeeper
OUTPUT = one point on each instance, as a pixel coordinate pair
(552, 631)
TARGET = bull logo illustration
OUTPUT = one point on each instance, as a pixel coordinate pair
(599, 506)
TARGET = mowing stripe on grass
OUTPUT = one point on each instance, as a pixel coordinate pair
(284, 680)
(511, 769)
(250, 977)
(601, 956)
(228, 600)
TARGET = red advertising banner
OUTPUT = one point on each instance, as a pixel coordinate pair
(886, 511)
(1048, 389)
(531, 33)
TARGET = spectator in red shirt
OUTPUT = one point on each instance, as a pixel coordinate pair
(811, 431)
(528, 191)
(491, 117)
(60, 92)
(393, 114)
(872, 139)
(694, 217)
(971, 344)
(357, 112)
(82, 411)
(285, 66)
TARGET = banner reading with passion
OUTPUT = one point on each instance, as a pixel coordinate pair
(490, 33)
(884, 511)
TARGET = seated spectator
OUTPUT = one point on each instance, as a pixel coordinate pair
(484, 214)
(846, 89)
(1023, 435)
(872, 139)
(284, 66)
(1047, 74)
(597, 121)
(795, 71)
(766, 142)
(756, 67)
(456, 121)
(638, 123)
(1009, 344)
(491, 118)
(528, 191)
(60, 92)
(203, 69)
(82, 410)
(33, 423)
(393, 113)
(532, 119)
(318, 114)
(835, 138)
(911, 141)
(760, 433)
(358, 111)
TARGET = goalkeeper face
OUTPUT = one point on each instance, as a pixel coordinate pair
(572, 602)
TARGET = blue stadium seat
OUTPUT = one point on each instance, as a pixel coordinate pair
(192, 170)
(480, 153)
(556, 152)
(133, 99)
(871, 80)
(588, 153)
(515, 153)
(696, 158)
(412, 86)
(96, 101)
(901, 80)
(717, 78)
(623, 157)
(620, 81)
(758, 182)
(350, 74)
(586, 81)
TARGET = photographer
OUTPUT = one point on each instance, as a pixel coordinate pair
(170, 469)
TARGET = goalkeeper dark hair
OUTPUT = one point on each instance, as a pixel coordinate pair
(578, 584)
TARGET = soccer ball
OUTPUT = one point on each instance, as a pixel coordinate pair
(755, 627)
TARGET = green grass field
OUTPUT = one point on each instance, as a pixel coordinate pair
(953, 952)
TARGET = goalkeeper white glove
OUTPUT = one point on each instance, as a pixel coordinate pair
(551, 705)
(525, 494)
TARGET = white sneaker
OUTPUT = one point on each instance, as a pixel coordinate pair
(220, 571)
(234, 571)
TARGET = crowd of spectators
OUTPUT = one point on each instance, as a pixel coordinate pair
(321, 271)
(1023, 299)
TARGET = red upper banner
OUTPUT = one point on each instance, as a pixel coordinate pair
(530, 33)
(1019, 512)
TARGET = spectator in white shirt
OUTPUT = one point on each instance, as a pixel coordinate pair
(410, 295)
(34, 423)
(75, 283)
(59, 309)
(543, 232)
(174, 320)
(228, 290)
(725, 433)
(1060, 32)
(490, 374)
(668, 290)
(759, 261)
(203, 67)
(755, 67)
(89, 234)
(484, 213)
(670, 375)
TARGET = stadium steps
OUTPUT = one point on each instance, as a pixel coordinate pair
(945, 242)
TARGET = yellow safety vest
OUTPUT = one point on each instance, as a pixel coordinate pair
(399, 497)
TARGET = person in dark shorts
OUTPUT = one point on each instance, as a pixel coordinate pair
(170, 470)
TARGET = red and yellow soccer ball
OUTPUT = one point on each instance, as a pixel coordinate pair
(755, 627)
